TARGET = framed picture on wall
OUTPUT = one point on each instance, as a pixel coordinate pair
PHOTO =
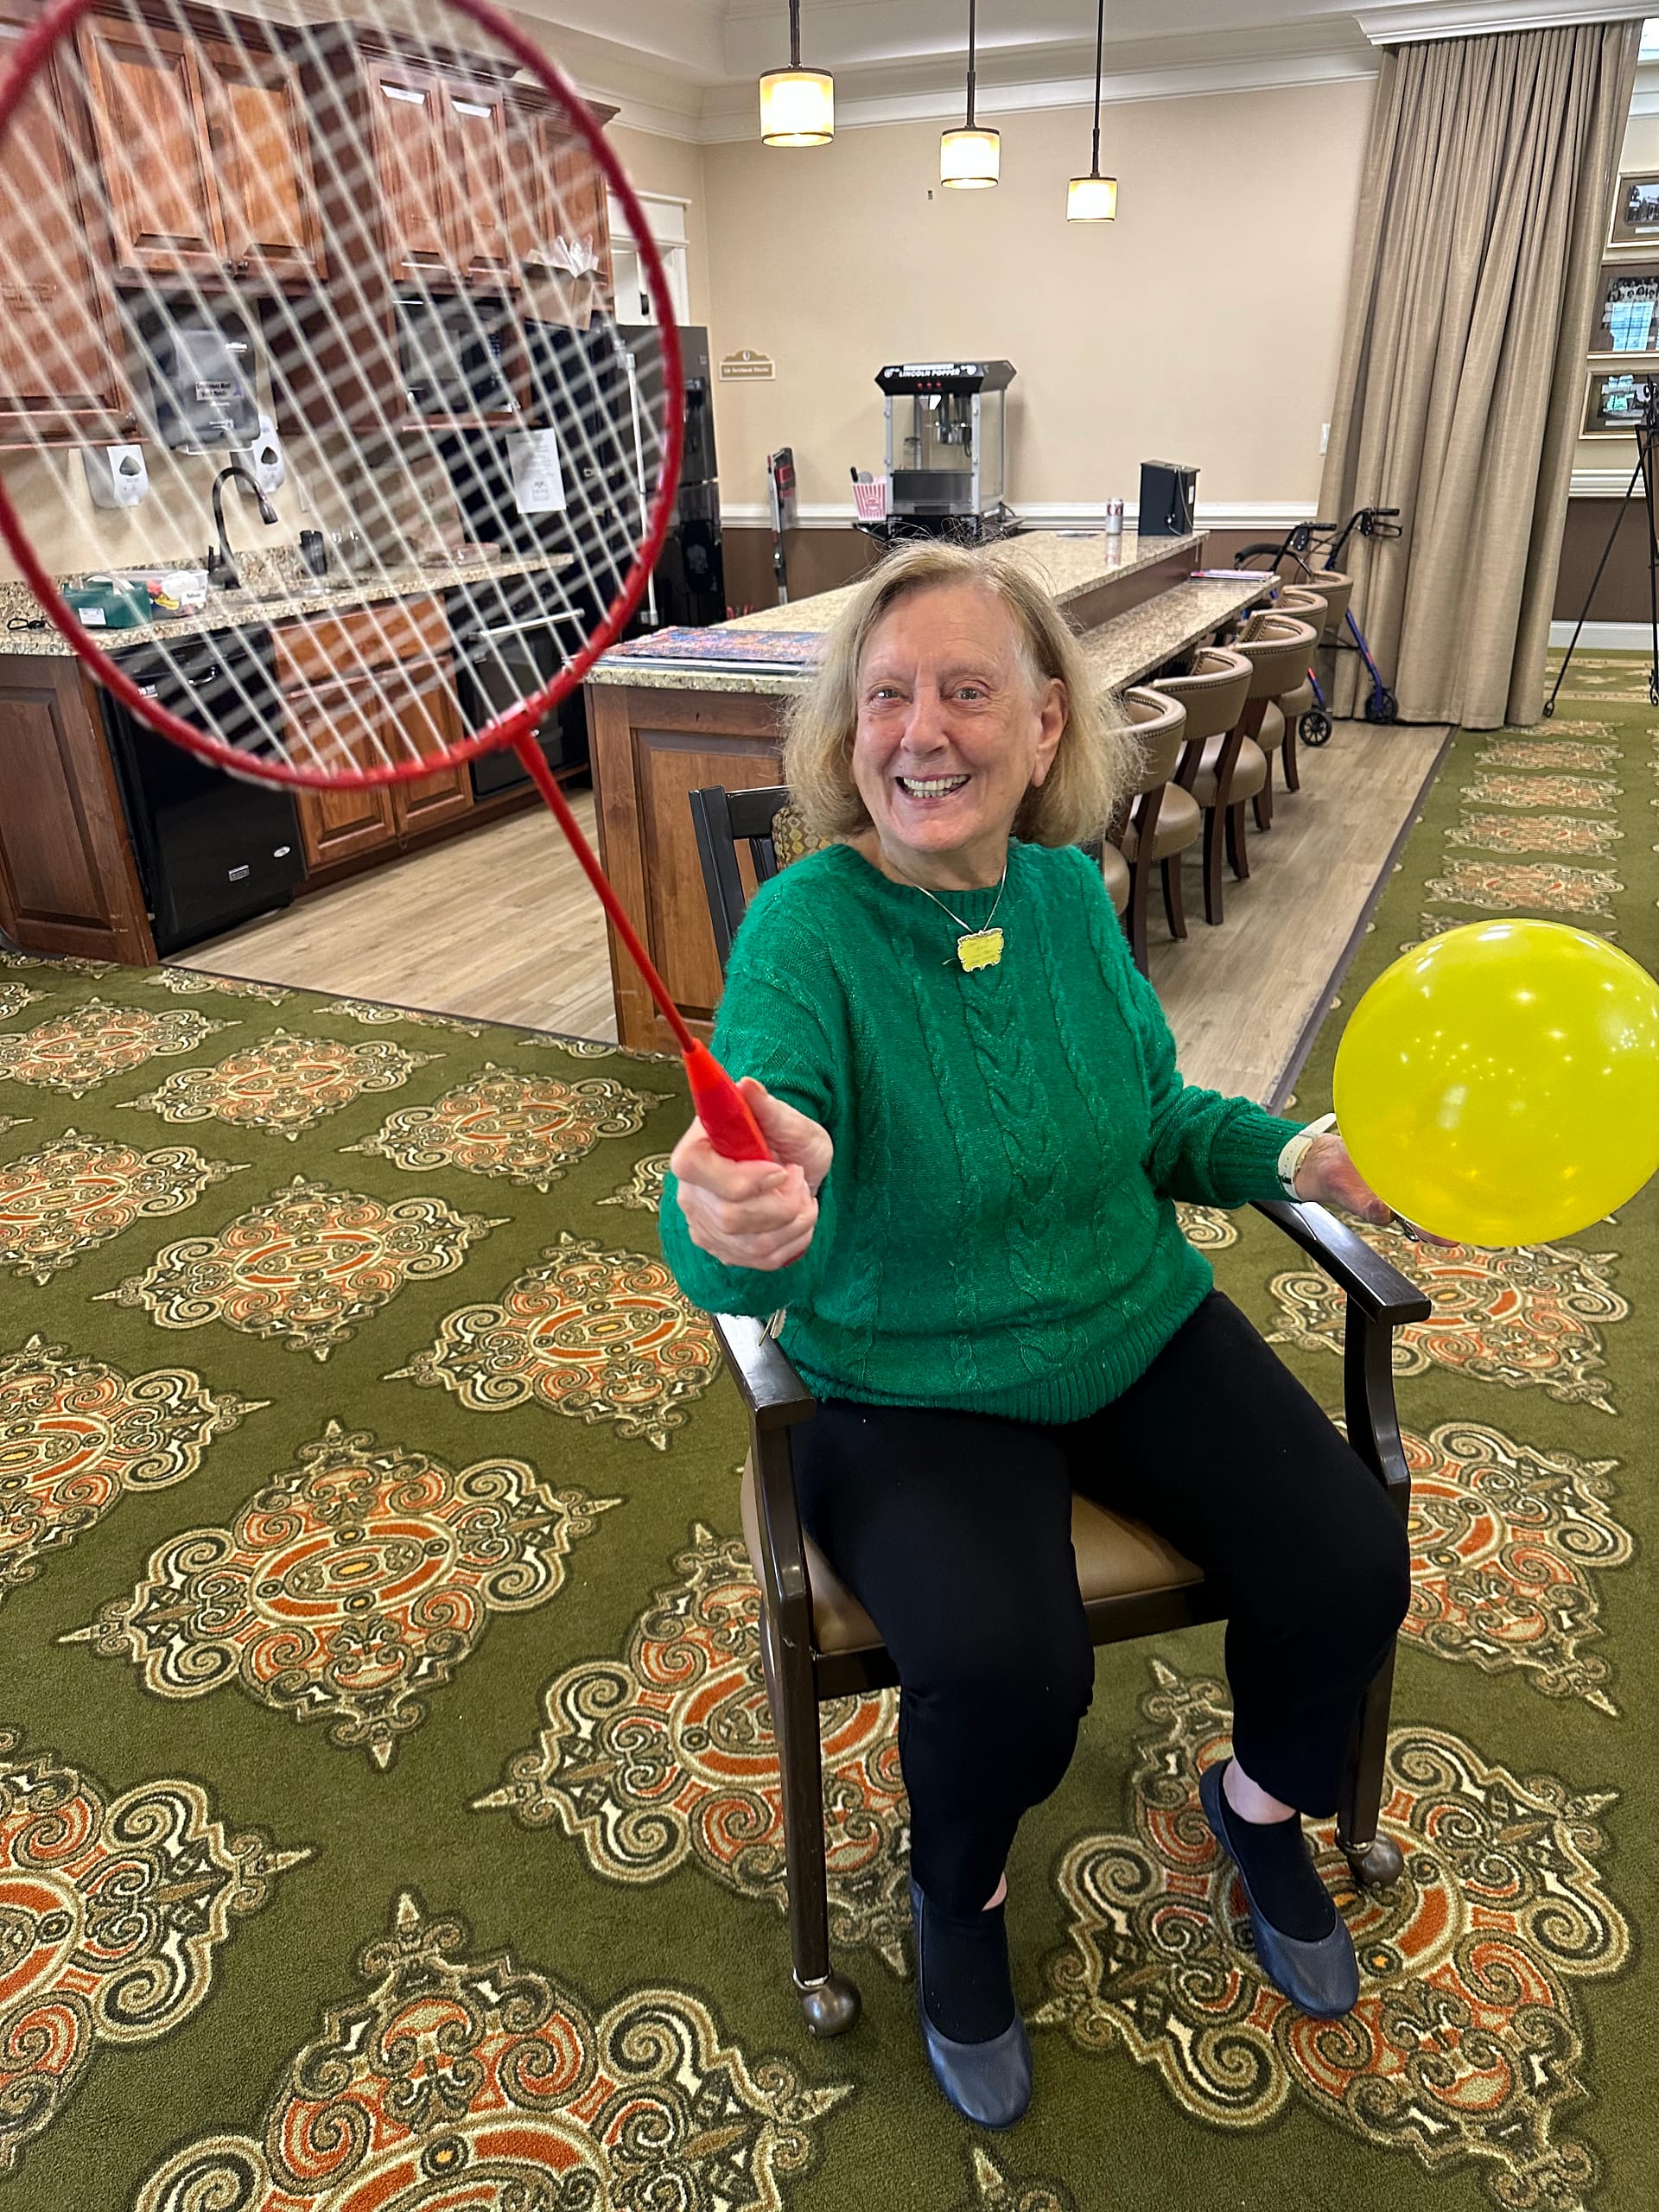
(1636, 209)
(1615, 398)
(1627, 309)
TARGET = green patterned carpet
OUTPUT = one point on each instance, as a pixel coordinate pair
(387, 1813)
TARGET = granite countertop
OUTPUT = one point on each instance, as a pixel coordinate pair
(1132, 645)
(276, 590)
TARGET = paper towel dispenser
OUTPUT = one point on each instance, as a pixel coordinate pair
(200, 377)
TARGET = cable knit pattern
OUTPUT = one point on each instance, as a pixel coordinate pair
(996, 1232)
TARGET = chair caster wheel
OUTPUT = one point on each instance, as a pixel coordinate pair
(1377, 1865)
(832, 2005)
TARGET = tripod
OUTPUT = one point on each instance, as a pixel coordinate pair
(1646, 431)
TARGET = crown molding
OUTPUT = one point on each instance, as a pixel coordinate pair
(727, 114)
(1414, 21)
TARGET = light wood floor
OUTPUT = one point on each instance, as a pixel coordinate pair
(502, 926)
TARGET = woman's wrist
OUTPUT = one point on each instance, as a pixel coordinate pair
(1296, 1149)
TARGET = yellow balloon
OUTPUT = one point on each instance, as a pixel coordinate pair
(1500, 1085)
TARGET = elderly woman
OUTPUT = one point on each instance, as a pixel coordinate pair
(978, 1130)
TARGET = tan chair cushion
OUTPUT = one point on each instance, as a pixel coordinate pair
(1249, 772)
(1271, 735)
(1116, 1558)
(1180, 824)
(1116, 869)
(1297, 703)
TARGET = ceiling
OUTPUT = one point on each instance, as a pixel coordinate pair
(688, 67)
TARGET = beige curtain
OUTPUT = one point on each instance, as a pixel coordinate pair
(1481, 213)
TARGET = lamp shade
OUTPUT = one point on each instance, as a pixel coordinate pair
(968, 159)
(797, 107)
(1091, 200)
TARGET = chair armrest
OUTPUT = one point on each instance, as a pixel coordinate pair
(1376, 1285)
(773, 1393)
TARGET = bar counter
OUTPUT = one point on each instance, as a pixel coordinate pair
(662, 728)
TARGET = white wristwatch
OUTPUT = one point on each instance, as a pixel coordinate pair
(1296, 1149)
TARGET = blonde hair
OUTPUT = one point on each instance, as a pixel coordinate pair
(1093, 765)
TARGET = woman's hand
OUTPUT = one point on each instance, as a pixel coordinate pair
(754, 1213)
(1329, 1178)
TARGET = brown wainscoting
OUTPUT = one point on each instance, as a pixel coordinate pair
(1622, 595)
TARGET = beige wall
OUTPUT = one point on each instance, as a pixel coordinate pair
(669, 166)
(1203, 326)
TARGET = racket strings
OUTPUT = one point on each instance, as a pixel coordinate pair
(408, 494)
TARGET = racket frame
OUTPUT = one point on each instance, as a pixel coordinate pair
(58, 22)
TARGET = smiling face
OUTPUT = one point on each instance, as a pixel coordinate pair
(951, 734)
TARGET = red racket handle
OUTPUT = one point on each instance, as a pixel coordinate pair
(732, 1129)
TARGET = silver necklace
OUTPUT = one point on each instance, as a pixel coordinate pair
(975, 947)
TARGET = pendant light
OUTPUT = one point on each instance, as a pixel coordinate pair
(798, 106)
(1093, 199)
(969, 157)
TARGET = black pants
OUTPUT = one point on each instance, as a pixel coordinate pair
(954, 1530)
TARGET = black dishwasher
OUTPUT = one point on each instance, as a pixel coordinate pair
(213, 849)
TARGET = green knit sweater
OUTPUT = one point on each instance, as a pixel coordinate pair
(996, 1232)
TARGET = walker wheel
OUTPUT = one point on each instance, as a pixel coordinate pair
(1314, 728)
(1382, 706)
(832, 2005)
(1377, 1865)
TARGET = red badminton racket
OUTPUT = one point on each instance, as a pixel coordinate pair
(345, 277)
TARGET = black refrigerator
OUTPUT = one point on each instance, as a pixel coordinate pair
(690, 581)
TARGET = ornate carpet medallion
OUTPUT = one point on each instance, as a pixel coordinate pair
(1502, 1538)
(994, 2189)
(1530, 1318)
(453, 2082)
(1571, 833)
(284, 1084)
(643, 1189)
(77, 1051)
(350, 1587)
(1546, 752)
(1558, 726)
(1536, 886)
(1589, 794)
(589, 1048)
(190, 982)
(668, 1755)
(111, 1909)
(76, 1434)
(370, 1013)
(14, 997)
(528, 1128)
(77, 1192)
(595, 1336)
(1466, 2047)
(1211, 1228)
(49, 968)
(306, 1268)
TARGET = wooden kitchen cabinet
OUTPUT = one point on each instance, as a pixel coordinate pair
(149, 120)
(261, 144)
(562, 202)
(60, 374)
(476, 116)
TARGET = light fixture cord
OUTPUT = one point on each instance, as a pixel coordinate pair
(1100, 48)
(795, 39)
(971, 62)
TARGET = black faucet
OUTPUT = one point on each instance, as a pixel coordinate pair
(222, 572)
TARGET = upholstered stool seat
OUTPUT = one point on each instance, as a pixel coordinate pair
(1116, 1558)
(1116, 869)
(1180, 824)
(1250, 772)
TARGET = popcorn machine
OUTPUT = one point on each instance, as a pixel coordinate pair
(946, 442)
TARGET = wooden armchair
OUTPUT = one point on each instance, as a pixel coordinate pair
(816, 1641)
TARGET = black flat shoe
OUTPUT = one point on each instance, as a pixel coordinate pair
(988, 2082)
(1323, 1976)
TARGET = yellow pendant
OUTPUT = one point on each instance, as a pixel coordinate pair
(980, 949)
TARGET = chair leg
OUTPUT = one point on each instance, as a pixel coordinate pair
(1175, 902)
(829, 2000)
(1214, 904)
(1237, 847)
(1377, 1859)
(1135, 917)
(1264, 800)
(1293, 769)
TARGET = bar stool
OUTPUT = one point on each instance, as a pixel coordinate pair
(1214, 692)
(1278, 732)
(1161, 820)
